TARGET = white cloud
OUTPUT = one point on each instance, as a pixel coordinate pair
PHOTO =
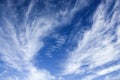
(18, 49)
(18, 45)
(35, 74)
(104, 72)
(67, 14)
(108, 70)
(97, 47)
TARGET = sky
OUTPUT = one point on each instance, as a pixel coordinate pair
(59, 39)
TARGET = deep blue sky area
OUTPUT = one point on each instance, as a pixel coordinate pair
(59, 40)
(59, 52)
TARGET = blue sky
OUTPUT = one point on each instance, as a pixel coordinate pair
(59, 39)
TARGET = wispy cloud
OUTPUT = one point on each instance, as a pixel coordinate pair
(21, 39)
(99, 46)
(17, 50)
(104, 72)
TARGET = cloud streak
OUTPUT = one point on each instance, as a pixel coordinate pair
(25, 24)
(21, 38)
(99, 45)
